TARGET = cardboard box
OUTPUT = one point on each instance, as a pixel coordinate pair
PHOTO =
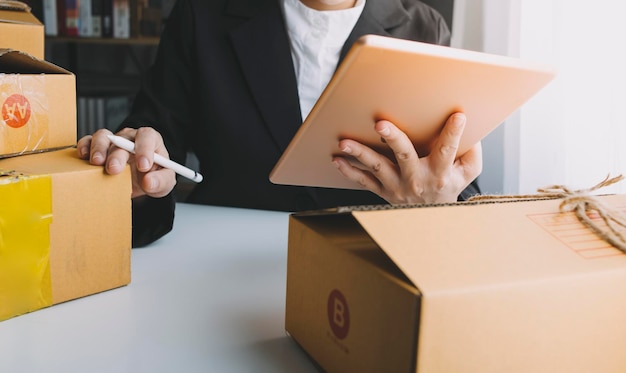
(492, 287)
(37, 104)
(65, 230)
(21, 30)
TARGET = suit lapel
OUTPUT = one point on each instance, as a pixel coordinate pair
(378, 17)
(262, 47)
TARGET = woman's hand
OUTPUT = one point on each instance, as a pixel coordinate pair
(148, 178)
(437, 178)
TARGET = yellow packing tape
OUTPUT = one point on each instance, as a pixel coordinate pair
(25, 217)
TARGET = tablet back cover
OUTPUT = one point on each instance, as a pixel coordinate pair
(415, 85)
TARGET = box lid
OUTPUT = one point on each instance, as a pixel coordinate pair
(17, 12)
(16, 62)
(491, 244)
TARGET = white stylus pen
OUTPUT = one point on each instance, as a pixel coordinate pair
(129, 146)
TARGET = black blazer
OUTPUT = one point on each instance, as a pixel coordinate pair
(223, 86)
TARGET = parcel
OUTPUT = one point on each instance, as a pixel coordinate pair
(65, 230)
(20, 29)
(468, 287)
(37, 104)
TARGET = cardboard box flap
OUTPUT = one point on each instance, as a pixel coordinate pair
(17, 62)
(467, 246)
(17, 12)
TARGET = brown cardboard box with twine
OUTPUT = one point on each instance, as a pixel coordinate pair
(483, 286)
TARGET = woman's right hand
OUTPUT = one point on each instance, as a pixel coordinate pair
(148, 178)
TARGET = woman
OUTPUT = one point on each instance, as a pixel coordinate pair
(233, 80)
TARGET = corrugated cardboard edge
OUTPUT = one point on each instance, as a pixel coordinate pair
(36, 151)
(17, 62)
(384, 207)
(14, 5)
(19, 13)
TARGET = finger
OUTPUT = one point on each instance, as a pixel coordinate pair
(147, 142)
(83, 147)
(372, 162)
(149, 178)
(444, 152)
(118, 158)
(358, 176)
(471, 163)
(403, 149)
(99, 147)
(158, 183)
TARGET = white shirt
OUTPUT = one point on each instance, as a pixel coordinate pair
(316, 39)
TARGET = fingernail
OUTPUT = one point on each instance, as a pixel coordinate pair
(384, 131)
(347, 149)
(82, 152)
(335, 163)
(144, 165)
(97, 157)
(153, 184)
(114, 163)
(458, 120)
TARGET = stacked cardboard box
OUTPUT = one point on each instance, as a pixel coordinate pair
(38, 104)
(65, 226)
(20, 30)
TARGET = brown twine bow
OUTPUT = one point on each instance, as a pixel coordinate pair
(581, 203)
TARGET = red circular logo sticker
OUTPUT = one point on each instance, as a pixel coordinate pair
(16, 111)
(338, 314)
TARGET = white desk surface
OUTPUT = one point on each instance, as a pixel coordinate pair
(208, 297)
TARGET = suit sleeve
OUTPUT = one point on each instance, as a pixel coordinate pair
(161, 104)
(152, 219)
